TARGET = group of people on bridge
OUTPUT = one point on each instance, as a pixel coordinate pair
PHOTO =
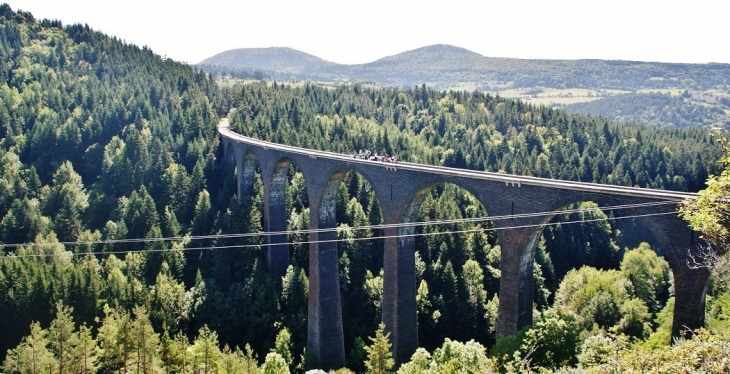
(366, 155)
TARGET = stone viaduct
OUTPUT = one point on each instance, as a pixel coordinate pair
(400, 189)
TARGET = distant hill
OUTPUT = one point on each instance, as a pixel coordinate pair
(556, 83)
(279, 60)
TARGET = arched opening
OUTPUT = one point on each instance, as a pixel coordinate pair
(360, 256)
(457, 266)
(230, 154)
(297, 211)
(289, 211)
(603, 261)
(589, 234)
(345, 264)
(249, 167)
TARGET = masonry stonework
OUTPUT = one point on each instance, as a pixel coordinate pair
(400, 189)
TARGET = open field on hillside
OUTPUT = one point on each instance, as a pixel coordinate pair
(556, 96)
(672, 91)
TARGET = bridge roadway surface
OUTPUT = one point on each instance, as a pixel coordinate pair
(400, 189)
(508, 179)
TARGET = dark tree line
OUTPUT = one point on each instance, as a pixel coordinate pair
(103, 143)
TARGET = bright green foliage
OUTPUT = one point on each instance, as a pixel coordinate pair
(24, 221)
(67, 202)
(168, 302)
(649, 275)
(282, 346)
(239, 362)
(294, 304)
(85, 353)
(202, 218)
(174, 353)
(361, 260)
(374, 289)
(599, 349)
(617, 301)
(85, 290)
(115, 340)
(62, 338)
(662, 335)
(451, 357)
(473, 278)
(719, 313)
(472, 130)
(455, 357)
(708, 214)
(594, 296)
(703, 353)
(145, 353)
(206, 354)
(274, 364)
(553, 340)
(32, 355)
(420, 363)
(100, 139)
(635, 319)
(380, 358)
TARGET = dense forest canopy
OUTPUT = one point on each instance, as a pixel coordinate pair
(103, 143)
(475, 131)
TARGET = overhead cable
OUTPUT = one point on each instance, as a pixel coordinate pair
(364, 227)
(263, 245)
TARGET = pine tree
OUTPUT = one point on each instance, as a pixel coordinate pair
(85, 352)
(63, 337)
(115, 340)
(206, 354)
(283, 346)
(145, 343)
(31, 355)
(174, 353)
(380, 358)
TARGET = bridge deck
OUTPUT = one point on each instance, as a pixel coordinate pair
(509, 179)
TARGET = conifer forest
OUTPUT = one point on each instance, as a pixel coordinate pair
(122, 234)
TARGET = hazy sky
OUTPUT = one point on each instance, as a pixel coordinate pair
(352, 32)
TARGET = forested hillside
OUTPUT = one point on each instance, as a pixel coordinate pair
(125, 248)
(657, 109)
(596, 87)
(475, 131)
(446, 66)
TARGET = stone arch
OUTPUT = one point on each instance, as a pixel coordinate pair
(324, 320)
(359, 205)
(399, 278)
(326, 299)
(400, 309)
(656, 229)
(674, 236)
(328, 202)
(678, 242)
(276, 217)
(248, 167)
(229, 151)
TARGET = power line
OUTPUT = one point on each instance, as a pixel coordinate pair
(365, 227)
(262, 245)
